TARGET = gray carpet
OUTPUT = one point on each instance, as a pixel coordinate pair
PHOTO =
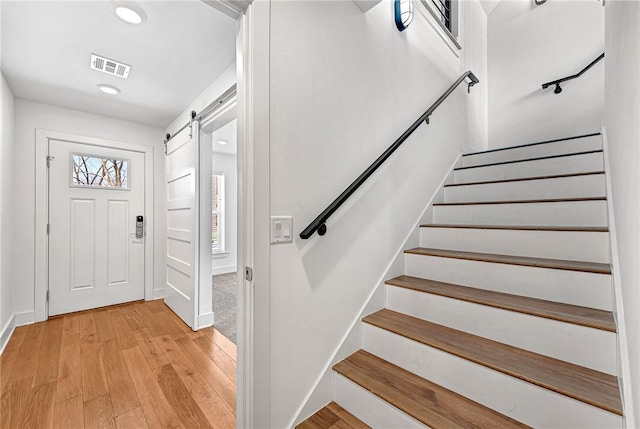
(225, 304)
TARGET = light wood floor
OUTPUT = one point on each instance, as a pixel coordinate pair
(129, 366)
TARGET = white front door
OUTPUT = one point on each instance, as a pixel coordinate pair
(181, 291)
(95, 196)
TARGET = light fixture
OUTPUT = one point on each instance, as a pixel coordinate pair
(129, 12)
(108, 89)
(222, 142)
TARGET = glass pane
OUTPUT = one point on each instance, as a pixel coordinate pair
(99, 172)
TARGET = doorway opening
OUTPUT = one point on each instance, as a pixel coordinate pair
(220, 136)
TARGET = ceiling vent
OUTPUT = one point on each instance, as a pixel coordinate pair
(110, 66)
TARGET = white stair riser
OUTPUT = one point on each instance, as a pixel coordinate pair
(564, 213)
(567, 245)
(596, 348)
(584, 144)
(543, 167)
(570, 287)
(368, 407)
(522, 401)
(590, 186)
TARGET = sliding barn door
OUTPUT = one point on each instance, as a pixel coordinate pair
(181, 289)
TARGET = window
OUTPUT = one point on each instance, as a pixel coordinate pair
(217, 213)
(98, 172)
(445, 14)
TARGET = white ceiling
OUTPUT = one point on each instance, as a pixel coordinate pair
(181, 48)
(489, 5)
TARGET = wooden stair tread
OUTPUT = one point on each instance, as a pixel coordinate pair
(551, 200)
(531, 144)
(584, 316)
(584, 384)
(524, 179)
(427, 402)
(521, 228)
(332, 416)
(539, 158)
(589, 267)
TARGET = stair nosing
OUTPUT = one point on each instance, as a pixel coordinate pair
(525, 261)
(520, 228)
(455, 290)
(541, 201)
(500, 149)
(528, 159)
(524, 179)
(457, 351)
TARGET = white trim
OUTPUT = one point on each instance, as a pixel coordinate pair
(624, 370)
(158, 293)
(350, 344)
(42, 211)
(17, 319)
(224, 270)
(252, 61)
(426, 11)
(205, 320)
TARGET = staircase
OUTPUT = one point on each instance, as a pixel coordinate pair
(503, 317)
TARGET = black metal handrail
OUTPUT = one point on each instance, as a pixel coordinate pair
(557, 82)
(319, 223)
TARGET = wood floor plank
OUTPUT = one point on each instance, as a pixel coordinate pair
(177, 394)
(133, 419)
(583, 316)
(224, 343)
(158, 412)
(49, 358)
(152, 352)
(218, 413)
(94, 379)
(218, 356)
(142, 309)
(346, 416)
(69, 414)
(69, 367)
(427, 402)
(184, 328)
(39, 412)
(124, 334)
(171, 326)
(131, 316)
(104, 327)
(123, 394)
(14, 402)
(584, 384)
(184, 366)
(213, 374)
(10, 354)
(98, 413)
(589, 267)
(27, 361)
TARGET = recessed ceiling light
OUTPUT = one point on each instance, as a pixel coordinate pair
(108, 89)
(222, 142)
(129, 13)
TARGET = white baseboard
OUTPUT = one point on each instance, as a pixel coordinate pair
(205, 320)
(158, 293)
(322, 390)
(17, 319)
(224, 270)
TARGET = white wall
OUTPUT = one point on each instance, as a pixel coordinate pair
(31, 116)
(344, 86)
(530, 45)
(227, 163)
(622, 113)
(6, 191)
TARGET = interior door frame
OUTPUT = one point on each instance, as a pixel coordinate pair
(43, 137)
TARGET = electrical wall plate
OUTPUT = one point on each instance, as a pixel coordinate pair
(281, 229)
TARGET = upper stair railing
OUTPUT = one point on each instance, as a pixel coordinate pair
(557, 82)
(319, 223)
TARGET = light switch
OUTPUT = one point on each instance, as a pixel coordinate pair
(281, 229)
